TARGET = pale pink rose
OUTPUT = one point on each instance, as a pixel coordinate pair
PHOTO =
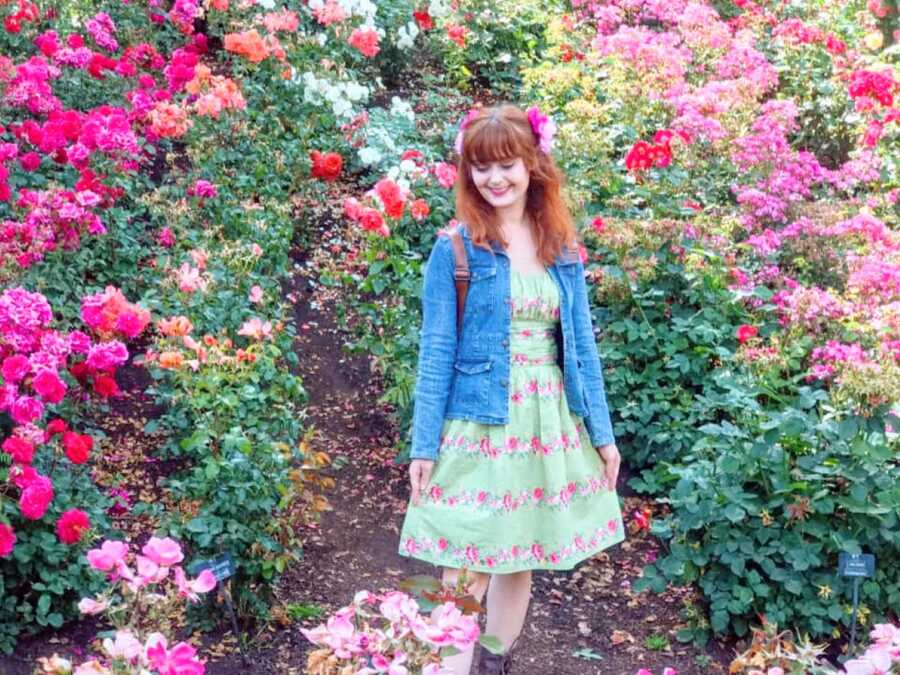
(878, 663)
(92, 667)
(256, 328)
(256, 249)
(91, 606)
(125, 646)
(199, 257)
(256, 294)
(164, 551)
(110, 555)
(190, 279)
(190, 588)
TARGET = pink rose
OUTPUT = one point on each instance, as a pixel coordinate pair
(446, 174)
(15, 368)
(164, 551)
(7, 540)
(49, 386)
(27, 409)
(35, 498)
(110, 555)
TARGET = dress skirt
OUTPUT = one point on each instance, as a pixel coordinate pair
(529, 494)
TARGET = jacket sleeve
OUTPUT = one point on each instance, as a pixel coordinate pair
(437, 350)
(598, 419)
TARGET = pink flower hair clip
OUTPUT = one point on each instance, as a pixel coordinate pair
(543, 127)
(472, 114)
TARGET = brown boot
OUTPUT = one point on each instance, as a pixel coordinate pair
(496, 664)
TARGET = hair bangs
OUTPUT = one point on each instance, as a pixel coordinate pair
(491, 140)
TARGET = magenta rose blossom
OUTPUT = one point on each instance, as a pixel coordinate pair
(35, 498)
(50, 387)
(27, 409)
(7, 540)
(15, 368)
(71, 525)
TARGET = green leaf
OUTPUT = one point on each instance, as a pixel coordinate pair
(491, 643)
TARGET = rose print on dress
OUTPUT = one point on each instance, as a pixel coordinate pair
(514, 445)
(580, 547)
(508, 502)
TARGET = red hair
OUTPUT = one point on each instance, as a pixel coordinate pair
(499, 133)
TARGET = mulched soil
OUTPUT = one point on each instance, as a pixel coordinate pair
(581, 622)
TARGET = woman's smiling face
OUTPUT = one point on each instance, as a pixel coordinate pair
(502, 183)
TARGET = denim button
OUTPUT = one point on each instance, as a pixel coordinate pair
(505, 342)
(504, 382)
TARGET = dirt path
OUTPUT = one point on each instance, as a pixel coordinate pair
(590, 611)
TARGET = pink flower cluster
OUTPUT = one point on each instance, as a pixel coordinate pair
(825, 361)
(160, 556)
(868, 86)
(102, 29)
(370, 631)
(109, 314)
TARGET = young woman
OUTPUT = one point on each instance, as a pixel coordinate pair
(514, 463)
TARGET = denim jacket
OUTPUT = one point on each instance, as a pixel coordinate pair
(466, 376)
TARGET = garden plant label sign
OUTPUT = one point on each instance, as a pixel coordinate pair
(221, 567)
(856, 564)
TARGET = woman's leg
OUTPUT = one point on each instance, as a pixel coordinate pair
(461, 663)
(507, 604)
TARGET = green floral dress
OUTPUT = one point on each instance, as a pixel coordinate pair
(529, 494)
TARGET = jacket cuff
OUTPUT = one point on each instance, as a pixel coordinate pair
(423, 454)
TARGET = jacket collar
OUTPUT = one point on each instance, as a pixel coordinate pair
(565, 257)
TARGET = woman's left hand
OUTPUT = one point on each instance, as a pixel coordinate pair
(610, 455)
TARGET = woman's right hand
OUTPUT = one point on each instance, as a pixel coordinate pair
(419, 475)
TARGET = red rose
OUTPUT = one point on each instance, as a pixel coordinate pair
(71, 525)
(746, 332)
(57, 426)
(35, 498)
(423, 20)
(22, 451)
(639, 157)
(7, 540)
(326, 166)
(105, 386)
(371, 220)
(80, 371)
(75, 41)
(77, 446)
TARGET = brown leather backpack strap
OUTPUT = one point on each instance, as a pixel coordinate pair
(460, 275)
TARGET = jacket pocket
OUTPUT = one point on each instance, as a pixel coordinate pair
(482, 287)
(471, 385)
